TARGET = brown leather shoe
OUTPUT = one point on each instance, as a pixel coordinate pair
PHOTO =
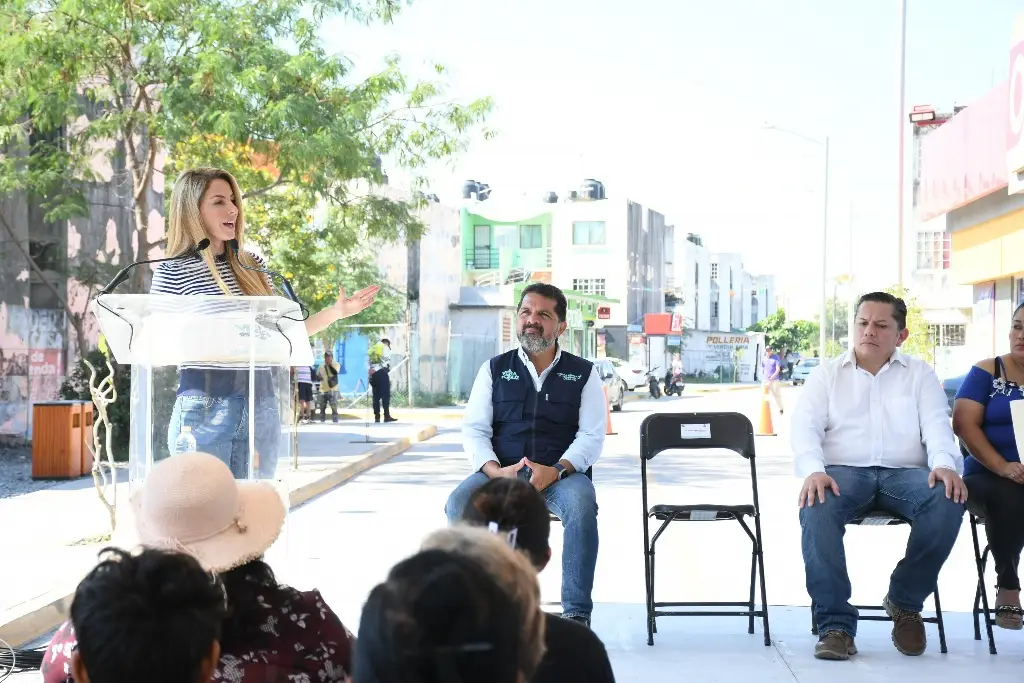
(837, 645)
(907, 629)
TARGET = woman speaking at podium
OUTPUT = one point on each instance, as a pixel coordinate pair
(211, 407)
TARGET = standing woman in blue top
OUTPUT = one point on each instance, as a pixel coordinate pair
(993, 472)
(214, 402)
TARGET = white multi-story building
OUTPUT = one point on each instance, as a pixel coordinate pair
(946, 306)
(712, 290)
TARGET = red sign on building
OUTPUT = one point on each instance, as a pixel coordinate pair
(663, 323)
(604, 312)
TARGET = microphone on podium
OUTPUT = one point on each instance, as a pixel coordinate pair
(122, 275)
(289, 292)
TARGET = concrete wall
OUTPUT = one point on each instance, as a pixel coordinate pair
(429, 272)
(477, 335)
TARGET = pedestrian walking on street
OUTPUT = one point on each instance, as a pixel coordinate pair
(771, 372)
(212, 403)
(380, 379)
(328, 375)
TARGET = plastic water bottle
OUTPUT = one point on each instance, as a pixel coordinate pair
(185, 443)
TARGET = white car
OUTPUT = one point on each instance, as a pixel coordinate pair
(803, 369)
(633, 376)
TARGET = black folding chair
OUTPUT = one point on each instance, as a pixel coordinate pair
(980, 561)
(886, 518)
(981, 595)
(726, 431)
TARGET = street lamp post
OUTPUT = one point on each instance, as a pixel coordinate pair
(902, 139)
(824, 231)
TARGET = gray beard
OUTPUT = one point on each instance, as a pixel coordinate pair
(537, 343)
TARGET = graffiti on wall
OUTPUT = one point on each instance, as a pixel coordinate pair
(31, 363)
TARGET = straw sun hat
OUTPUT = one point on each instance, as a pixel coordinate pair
(192, 503)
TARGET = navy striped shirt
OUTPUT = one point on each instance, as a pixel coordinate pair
(191, 276)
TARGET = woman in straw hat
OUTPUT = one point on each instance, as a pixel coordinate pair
(193, 504)
(213, 401)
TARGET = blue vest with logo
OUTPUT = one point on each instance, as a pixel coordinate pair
(540, 425)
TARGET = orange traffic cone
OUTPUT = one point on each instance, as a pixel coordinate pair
(608, 414)
(765, 428)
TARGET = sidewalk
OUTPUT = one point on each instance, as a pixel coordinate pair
(51, 537)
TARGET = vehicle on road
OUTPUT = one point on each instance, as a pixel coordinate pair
(613, 384)
(634, 376)
(803, 369)
(674, 384)
(951, 386)
(652, 382)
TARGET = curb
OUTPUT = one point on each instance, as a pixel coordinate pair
(29, 620)
(719, 391)
(405, 416)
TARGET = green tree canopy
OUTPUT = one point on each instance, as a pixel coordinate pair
(919, 343)
(795, 335)
(245, 86)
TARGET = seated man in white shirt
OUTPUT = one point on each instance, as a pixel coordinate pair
(538, 412)
(871, 431)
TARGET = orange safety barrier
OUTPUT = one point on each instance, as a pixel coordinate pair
(608, 414)
(765, 427)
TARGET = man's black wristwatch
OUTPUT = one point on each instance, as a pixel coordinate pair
(562, 472)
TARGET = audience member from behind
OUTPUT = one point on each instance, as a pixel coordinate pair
(193, 504)
(573, 652)
(153, 617)
(440, 617)
(512, 571)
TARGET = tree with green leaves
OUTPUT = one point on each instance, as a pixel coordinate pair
(795, 335)
(249, 87)
(919, 343)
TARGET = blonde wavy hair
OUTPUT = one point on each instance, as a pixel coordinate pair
(185, 229)
(512, 571)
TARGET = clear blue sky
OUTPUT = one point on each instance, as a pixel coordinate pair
(664, 101)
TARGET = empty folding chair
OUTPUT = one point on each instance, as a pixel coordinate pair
(725, 431)
(886, 518)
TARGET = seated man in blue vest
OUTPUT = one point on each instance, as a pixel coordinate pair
(538, 412)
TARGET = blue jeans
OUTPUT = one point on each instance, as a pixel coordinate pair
(220, 426)
(935, 523)
(574, 500)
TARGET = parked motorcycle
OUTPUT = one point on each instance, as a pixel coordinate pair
(652, 383)
(674, 384)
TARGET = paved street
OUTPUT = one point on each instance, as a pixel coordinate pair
(344, 542)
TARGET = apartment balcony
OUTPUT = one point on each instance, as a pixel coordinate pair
(498, 258)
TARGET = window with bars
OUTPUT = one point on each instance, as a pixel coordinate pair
(595, 286)
(714, 271)
(588, 232)
(948, 335)
(933, 249)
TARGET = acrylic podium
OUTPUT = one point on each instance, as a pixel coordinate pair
(209, 373)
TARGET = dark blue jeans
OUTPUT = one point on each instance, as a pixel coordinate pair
(935, 523)
(574, 500)
(220, 426)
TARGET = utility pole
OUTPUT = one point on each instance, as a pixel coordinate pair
(902, 138)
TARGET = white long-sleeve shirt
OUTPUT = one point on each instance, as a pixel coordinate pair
(897, 418)
(477, 425)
